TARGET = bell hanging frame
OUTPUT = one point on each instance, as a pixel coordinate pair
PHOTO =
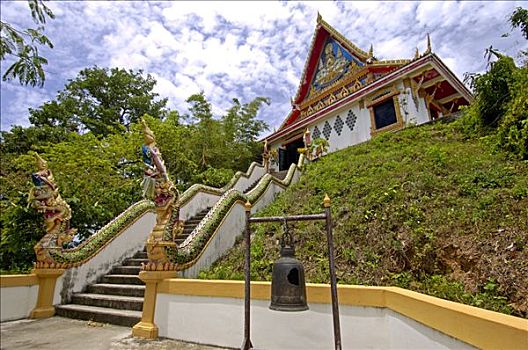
(327, 217)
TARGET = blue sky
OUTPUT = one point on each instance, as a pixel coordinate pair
(243, 49)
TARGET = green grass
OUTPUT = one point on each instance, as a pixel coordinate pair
(423, 209)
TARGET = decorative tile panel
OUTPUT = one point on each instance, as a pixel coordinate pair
(316, 133)
(327, 130)
(338, 125)
(351, 120)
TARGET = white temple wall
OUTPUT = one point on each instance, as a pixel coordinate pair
(412, 109)
(185, 317)
(231, 227)
(123, 246)
(197, 203)
(244, 182)
(355, 128)
(16, 302)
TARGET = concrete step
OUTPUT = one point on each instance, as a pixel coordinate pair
(130, 290)
(110, 301)
(192, 222)
(141, 255)
(121, 279)
(252, 186)
(280, 174)
(127, 318)
(134, 262)
(126, 270)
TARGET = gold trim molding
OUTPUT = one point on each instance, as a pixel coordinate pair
(18, 280)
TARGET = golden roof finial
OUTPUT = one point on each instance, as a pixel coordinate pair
(416, 53)
(41, 163)
(326, 201)
(428, 44)
(247, 206)
(371, 51)
(319, 17)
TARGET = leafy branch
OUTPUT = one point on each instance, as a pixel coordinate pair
(24, 45)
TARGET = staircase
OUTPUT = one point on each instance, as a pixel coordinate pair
(252, 186)
(280, 174)
(116, 299)
(190, 224)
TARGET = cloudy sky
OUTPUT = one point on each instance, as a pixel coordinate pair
(243, 49)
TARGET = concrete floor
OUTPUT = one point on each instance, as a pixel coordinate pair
(57, 333)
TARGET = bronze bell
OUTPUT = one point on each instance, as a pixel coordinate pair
(288, 288)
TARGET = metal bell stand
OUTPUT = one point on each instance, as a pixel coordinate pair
(246, 344)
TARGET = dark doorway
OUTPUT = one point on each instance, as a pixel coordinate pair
(290, 155)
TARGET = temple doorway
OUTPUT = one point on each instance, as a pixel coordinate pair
(288, 153)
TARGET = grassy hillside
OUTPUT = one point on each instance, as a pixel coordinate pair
(422, 209)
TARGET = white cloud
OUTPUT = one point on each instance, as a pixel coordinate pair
(249, 49)
(16, 100)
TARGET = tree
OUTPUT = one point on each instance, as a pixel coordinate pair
(97, 178)
(240, 132)
(205, 133)
(99, 171)
(101, 100)
(23, 44)
(519, 19)
(501, 106)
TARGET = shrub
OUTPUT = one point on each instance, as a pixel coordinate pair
(513, 129)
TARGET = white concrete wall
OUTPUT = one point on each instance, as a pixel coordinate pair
(17, 302)
(123, 246)
(244, 182)
(231, 227)
(197, 203)
(202, 200)
(219, 321)
(406, 333)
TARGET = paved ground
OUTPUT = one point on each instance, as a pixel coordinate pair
(57, 333)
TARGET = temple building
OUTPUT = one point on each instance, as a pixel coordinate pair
(347, 95)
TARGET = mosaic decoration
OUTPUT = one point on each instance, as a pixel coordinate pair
(327, 130)
(316, 133)
(338, 125)
(334, 63)
(351, 120)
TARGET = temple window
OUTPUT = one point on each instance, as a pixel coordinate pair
(385, 112)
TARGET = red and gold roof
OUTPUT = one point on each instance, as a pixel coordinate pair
(337, 71)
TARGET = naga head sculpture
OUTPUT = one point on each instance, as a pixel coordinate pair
(148, 135)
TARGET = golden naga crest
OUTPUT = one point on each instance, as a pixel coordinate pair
(44, 196)
(158, 187)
